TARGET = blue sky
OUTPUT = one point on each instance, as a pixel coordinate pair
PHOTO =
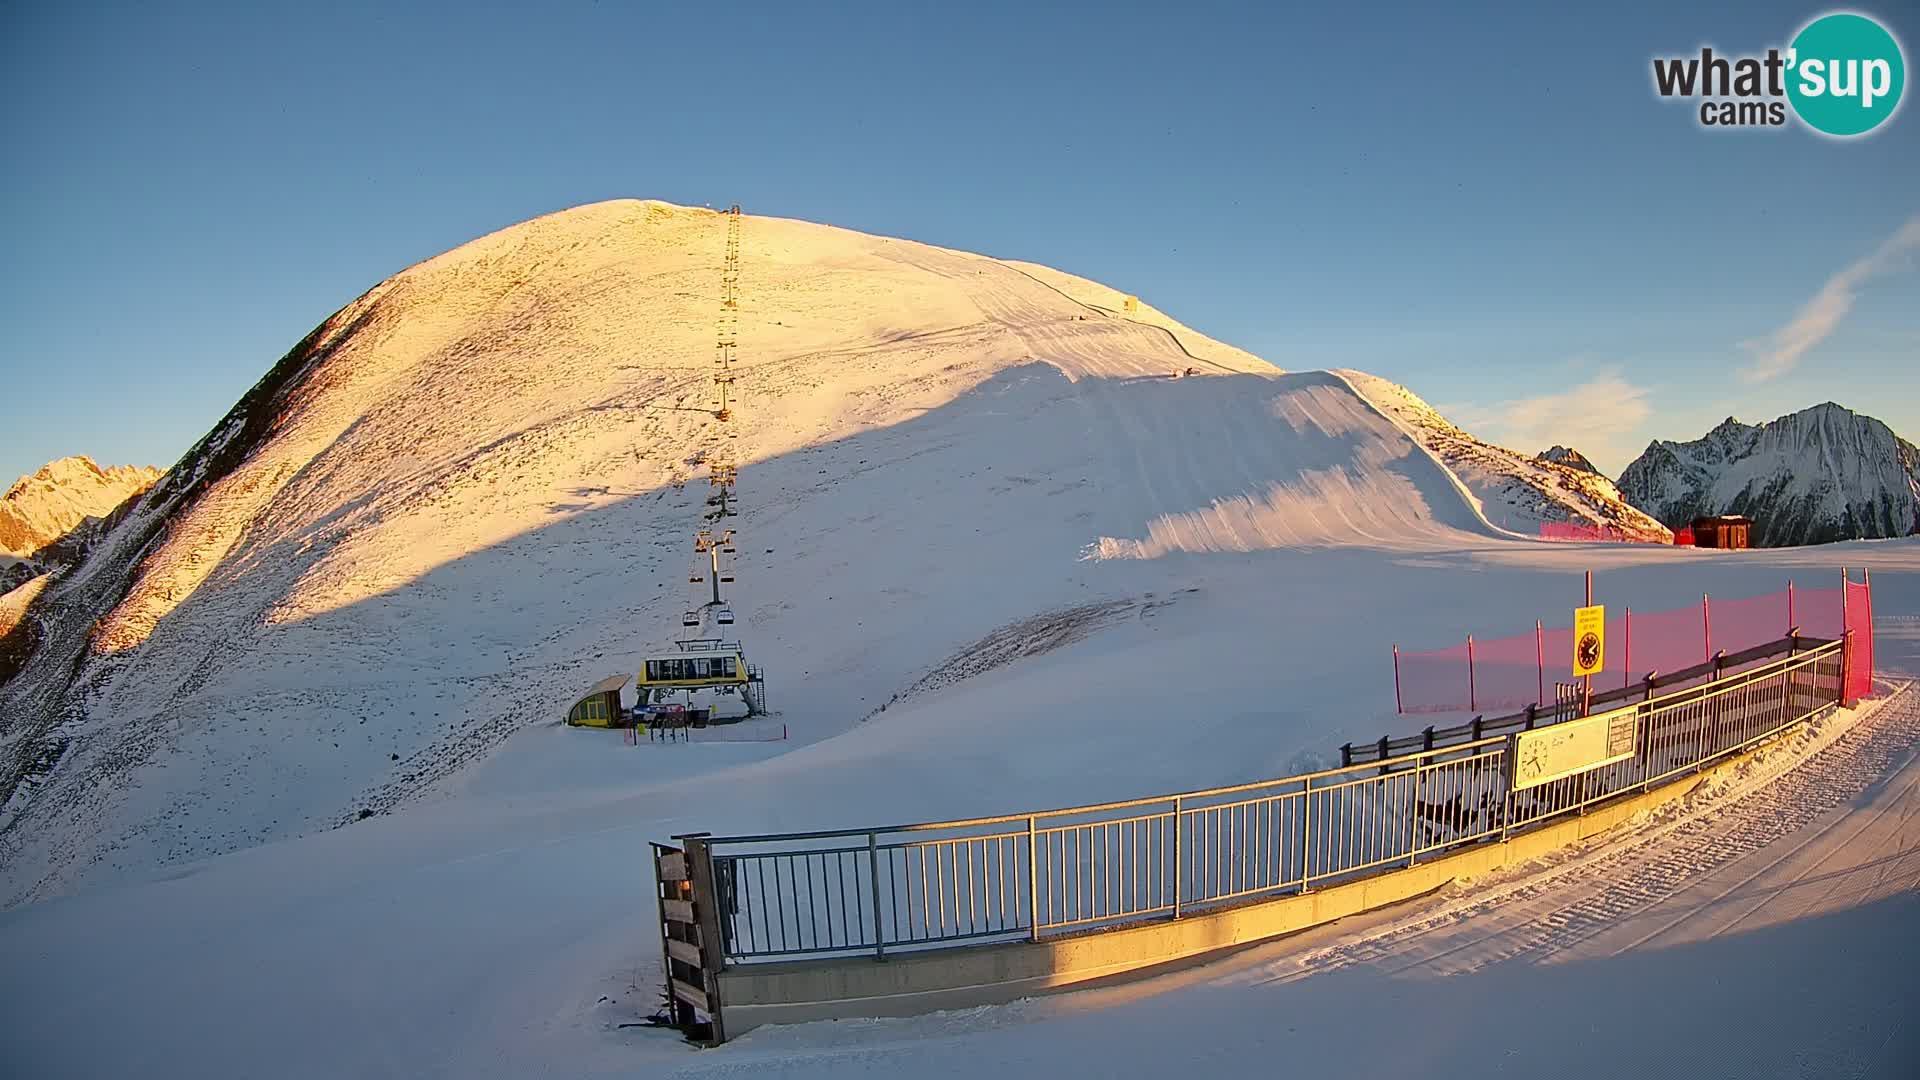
(1491, 207)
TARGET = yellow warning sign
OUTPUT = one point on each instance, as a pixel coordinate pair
(1589, 640)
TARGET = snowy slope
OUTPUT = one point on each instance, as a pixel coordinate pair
(470, 494)
(966, 496)
(1112, 302)
(492, 932)
(1516, 492)
(43, 506)
(1821, 474)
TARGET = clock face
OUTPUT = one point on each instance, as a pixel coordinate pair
(1589, 650)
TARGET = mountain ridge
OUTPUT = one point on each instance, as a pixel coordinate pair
(1821, 474)
(44, 505)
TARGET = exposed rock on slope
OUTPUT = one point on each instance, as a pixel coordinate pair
(1516, 492)
(1571, 458)
(1821, 474)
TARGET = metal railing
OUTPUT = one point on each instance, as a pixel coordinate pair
(1526, 719)
(953, 883)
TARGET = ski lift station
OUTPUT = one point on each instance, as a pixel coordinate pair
(705, 681)
(704, 673)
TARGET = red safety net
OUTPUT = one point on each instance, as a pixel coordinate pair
(1581, 532)
(1436, 680)
(1506, 672)
(1683, 536)
(1859, 620)
(1513, 672)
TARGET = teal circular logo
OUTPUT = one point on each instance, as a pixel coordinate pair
(1845, 74)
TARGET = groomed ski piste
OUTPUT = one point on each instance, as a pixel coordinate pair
(975, 496)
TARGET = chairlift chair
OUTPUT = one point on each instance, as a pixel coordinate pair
(726, 577)
(724, 616)
(691, 618)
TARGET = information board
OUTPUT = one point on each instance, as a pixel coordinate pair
(1573, 746)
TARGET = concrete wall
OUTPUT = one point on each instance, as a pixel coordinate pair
(908, 983)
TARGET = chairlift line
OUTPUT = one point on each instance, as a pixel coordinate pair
(710, 539)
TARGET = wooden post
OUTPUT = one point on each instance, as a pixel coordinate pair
(706, 909)
(669, 882)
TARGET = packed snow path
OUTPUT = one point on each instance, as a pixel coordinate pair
(1800, 844)
(1766, 930)
(495, 934)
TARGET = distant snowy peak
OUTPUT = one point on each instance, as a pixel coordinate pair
(45, 506)
(1822, 474)
(1571, 458)
(1516, 492)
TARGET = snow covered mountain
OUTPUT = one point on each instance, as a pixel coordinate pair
(44, 506)
(1568, 456)
(44, 516)
(1815, 476)
(470, 494)
(1515, 492)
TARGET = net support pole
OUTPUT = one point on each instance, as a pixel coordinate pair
(1398, 708)
(1706, 626)
(1540, 661)
(1863, 641)
(1626, 668)
(1472, 691)
(1586, 681)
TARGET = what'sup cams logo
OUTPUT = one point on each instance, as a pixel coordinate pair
(1842, 76)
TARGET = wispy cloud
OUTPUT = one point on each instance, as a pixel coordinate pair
(1781, 350)
(1597, 417)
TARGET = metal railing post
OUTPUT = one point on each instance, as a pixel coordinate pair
(1413, 805)
(1506, 797)
(1176, 856)
(1033, 886)
(1306, 833)
(873, 891)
